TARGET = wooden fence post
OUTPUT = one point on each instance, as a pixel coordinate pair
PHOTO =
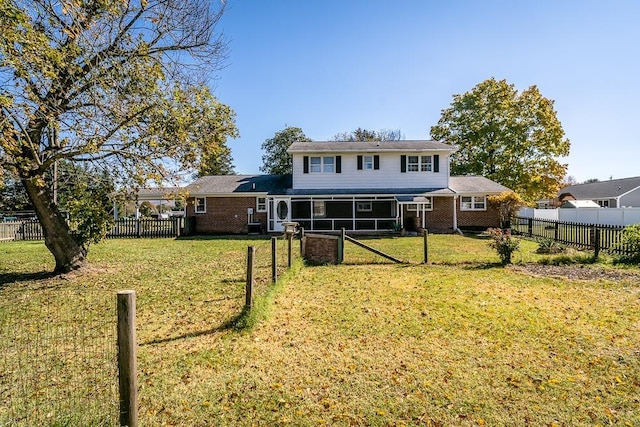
(127, 363)
(251, 250)
(426, 246)
(596, 243)
(301, 241)
(274, 259)
(341, 246)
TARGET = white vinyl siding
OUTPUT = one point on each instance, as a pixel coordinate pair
(389, 176)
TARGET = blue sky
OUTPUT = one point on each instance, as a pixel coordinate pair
(331, 66)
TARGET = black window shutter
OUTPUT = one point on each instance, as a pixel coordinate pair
(338, 164)
(403, 163)
(305, 166)
(359, 163)
(436, 163)
(376, 162)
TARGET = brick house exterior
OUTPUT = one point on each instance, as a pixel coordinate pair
(363, 186)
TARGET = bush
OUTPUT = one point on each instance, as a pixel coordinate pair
(504, 243)
(550, 246)
(631, 242)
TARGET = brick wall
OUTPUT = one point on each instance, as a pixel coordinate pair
(320, 249)
(226, 215)
(441, 217)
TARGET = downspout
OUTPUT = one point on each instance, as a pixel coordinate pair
(455, 215)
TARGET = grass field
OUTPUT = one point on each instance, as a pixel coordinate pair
(460, 341)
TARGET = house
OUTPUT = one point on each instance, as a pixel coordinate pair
(359, 186)
(614, 193)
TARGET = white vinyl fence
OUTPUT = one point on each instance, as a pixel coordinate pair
(604, 216)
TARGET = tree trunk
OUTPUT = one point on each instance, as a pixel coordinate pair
(69, 255)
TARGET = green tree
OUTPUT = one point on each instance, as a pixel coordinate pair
(275, 159)
(219, 162)
(368, 135)
(512, 138)
(121, 83)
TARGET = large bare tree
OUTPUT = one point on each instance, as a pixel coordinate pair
(115, 83)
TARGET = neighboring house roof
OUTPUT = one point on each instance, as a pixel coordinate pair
(161, 193)
(229, 184)
(475, 184)
(367, 146)
(602, 189)
(579, 204)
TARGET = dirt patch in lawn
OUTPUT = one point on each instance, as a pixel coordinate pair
(577, 272)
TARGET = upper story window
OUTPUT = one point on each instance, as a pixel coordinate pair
(473, 203)
(415, 163)
(603, 203)
(419, 163)
(200, 205)
(368, 162)
(321, 164)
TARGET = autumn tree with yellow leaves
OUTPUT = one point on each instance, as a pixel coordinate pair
(117, 85)
(511, 137)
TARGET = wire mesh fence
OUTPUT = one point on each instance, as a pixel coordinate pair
(58, 362)
(263, 261)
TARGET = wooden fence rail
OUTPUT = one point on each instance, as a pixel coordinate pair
(598, 237)
(122, 228)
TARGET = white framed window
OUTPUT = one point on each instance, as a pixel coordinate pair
(419, 163)
(261, 204)
(315, 164)
(364, 206)
(328, 164)
(413, 163)
(425, 164)
(201, 205)
(325, 164)
(603, 203)
(473, 203)
(319, 209)
(367, 163)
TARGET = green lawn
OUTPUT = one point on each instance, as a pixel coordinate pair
(460, 341)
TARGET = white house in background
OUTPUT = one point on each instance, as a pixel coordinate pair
(359, 186)
(615, 193)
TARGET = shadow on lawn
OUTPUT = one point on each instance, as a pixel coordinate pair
(7, 278)
(236, 323)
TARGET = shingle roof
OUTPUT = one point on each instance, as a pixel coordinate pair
(475, 184)
(281, 184)
(368, 146)
(602, 189)
(229, 184)
(160, 193)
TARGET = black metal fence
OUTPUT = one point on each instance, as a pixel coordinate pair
(598, 237)
(122, 228)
